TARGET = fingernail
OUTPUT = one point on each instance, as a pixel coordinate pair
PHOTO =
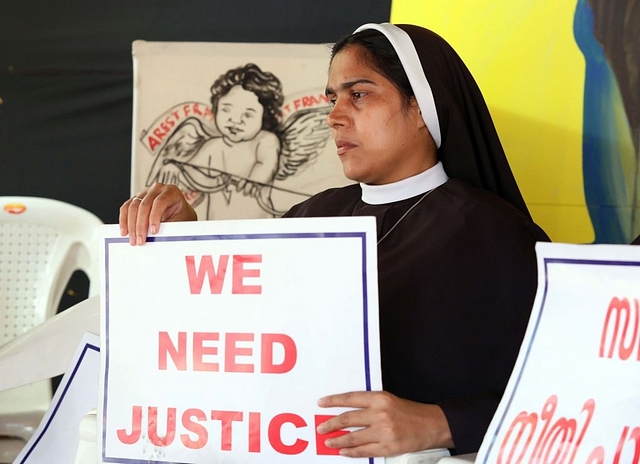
(320, 429)
(139, 241)
(154, 229)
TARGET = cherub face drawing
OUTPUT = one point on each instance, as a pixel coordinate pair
(239, 115)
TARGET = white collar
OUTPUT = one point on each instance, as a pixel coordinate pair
(405, 188)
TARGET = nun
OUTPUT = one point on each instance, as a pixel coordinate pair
(457, 269)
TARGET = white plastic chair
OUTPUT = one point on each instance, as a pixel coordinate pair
(42, 243)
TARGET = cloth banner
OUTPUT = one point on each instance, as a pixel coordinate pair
(573, 395)
(261, 148)
(219, 337)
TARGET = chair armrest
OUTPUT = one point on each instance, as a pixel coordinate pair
(45, 350)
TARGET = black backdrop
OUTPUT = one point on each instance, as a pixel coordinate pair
(66, 79)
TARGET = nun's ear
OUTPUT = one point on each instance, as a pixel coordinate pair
(414, 109)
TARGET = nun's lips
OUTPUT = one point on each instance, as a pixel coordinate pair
(344, 146)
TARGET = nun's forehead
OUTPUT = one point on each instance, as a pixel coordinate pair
(405, 49)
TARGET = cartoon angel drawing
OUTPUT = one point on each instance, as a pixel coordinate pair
(234, 169)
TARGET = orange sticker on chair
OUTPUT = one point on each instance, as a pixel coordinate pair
(15, 208)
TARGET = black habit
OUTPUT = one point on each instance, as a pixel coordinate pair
(457, 276)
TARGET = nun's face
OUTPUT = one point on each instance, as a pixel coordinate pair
(380, 137)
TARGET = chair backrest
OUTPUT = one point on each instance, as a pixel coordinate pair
(42, 243)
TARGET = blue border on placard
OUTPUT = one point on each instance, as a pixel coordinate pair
(547, 262)
(87, 346)
(261, 236)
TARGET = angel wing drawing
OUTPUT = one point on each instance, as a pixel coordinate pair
(181, 146)
(301, 138)
(303, 135)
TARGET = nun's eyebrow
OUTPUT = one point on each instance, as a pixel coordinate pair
(347, 85)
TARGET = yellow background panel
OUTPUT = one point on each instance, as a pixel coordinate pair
(526, 61)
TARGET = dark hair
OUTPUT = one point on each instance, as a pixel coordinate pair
(265, 85)
(380, 54)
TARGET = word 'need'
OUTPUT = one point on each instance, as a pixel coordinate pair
(235, 351)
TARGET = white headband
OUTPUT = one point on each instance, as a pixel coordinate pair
(403, 45)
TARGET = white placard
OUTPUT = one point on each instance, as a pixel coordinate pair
(574, 395)
(219, 337)
(57, 437)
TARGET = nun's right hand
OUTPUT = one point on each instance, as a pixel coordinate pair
(142, 214)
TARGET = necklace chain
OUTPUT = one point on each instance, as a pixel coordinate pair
(405, 215)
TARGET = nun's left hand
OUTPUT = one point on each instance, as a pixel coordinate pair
(385, 425)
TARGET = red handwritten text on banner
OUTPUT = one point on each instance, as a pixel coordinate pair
(621, 329)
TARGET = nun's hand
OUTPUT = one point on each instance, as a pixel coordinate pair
(143, 213)
(385, 425)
